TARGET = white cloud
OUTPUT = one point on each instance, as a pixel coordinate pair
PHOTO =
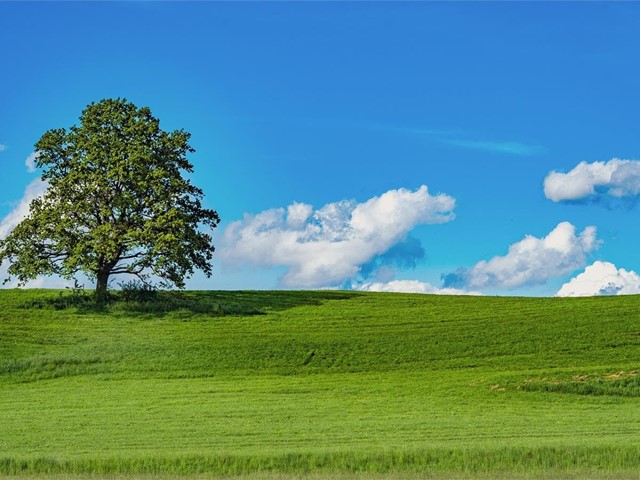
(411, 286)
(30, 162)
(36, 188)
(616, 178)
(2, 147)
(327, 247)
(298, 214)
(601, 278)
(530, 261)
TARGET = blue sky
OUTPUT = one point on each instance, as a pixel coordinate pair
(357, 105)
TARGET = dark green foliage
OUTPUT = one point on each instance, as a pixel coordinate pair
(116, 203)
(134, 297)
(136, 291)
(611, 384)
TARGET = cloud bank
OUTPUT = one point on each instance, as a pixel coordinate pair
(601, 278)
(329, 246)
(616, 178)
(411, 286)
(530, 261)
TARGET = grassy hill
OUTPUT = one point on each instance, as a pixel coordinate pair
(287, 383)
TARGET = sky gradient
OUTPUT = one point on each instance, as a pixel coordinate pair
(433, 147)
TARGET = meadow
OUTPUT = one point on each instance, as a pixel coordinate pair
(318, 385)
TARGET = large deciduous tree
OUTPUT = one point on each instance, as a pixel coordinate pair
(117, 202)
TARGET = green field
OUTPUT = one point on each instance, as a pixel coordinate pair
(287, 385)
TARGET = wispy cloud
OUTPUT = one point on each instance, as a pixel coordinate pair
(513, 148)
(30, 161)
(531, 261)
(426, 132)
(334, 244)
(458, 138)
(2, 147)
(455, 137)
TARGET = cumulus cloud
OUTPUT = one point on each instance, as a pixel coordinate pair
(530, 261)
(411, 286)
(36, 188)
(616, 178)
(601, 278)
(328, 246)
(30, 162)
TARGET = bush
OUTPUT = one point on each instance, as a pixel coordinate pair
(136, 291)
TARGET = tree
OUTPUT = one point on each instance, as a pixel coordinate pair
(116, 203)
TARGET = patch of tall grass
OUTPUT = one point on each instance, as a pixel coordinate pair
(461, 460)
(627, 386)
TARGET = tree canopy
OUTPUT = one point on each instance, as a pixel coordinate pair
(117, 202)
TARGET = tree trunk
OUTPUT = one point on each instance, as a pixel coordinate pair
(102, 280)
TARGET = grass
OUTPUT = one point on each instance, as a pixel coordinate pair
(319, 385)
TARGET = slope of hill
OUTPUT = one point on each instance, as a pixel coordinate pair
(223, 383)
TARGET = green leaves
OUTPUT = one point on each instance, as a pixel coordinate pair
(117, 202)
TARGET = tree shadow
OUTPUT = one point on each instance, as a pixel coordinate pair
(220, 303)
